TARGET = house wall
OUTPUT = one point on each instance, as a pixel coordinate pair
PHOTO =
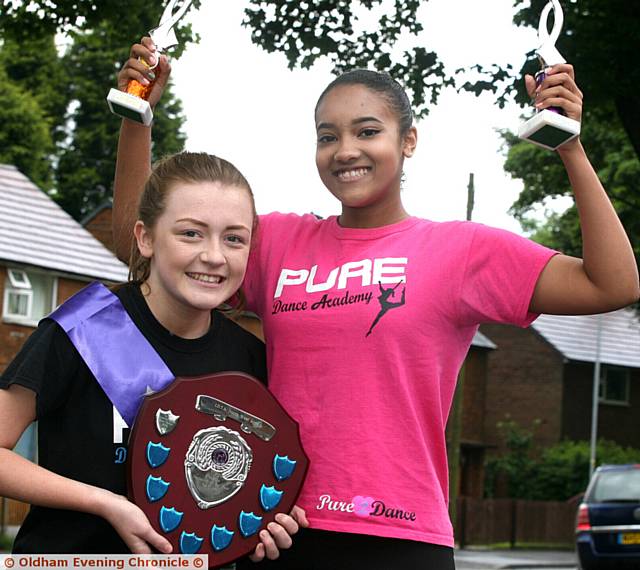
(524, 382)
(472, 445)
(619, 423)
(13, 336)
(100, 227)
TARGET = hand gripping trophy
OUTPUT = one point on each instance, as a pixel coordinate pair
(549, 128)
(133, 104)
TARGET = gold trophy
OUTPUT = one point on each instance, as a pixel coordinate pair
(133, 103)
(549, 128)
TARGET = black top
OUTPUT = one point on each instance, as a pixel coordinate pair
(80, 436)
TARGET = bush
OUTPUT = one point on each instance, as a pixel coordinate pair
(556, 473)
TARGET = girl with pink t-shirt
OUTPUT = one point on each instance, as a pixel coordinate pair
(368, 315)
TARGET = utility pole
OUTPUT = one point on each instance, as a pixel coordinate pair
(595, 397)
(455, 415)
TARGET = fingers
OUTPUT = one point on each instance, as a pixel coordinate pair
(558, 89)
(530, 84)
(159, 542)
(300, 516)
(273, 540)
(258, 554)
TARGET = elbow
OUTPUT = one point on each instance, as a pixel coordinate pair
(627, 296)
(122, 247)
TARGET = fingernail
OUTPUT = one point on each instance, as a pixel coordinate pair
(145, 81)
(538, 105)
(152, 75)
(152, 59)
(264, 534)
(272, 526)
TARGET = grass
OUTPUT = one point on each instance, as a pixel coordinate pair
(6, 542)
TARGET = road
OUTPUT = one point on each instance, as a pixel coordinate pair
(521, 559)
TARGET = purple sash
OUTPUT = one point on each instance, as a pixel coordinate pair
(126, 366)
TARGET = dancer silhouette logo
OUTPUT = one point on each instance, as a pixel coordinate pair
(386, 302)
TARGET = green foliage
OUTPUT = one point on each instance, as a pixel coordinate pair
(65, 94)
(308, 30)
(543, 176)
(556, 473)
(25, 140)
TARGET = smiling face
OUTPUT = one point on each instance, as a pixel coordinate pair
(360, 153)
(198, 250)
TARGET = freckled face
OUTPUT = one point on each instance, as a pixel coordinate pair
(359, 151)
(199, 246)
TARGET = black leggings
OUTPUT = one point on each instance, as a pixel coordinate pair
(322, 550)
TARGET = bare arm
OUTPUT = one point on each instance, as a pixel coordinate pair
(25, 481)
(133, 163)
(607, 276)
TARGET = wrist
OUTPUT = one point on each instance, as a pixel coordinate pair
(571, 149)
(98, 501)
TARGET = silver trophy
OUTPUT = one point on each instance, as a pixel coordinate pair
(133, 103)
(549, 128)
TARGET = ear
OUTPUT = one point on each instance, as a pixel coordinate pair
(410, 142)
(144, 239)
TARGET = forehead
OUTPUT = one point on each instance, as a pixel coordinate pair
(209, 201)
(345, 103)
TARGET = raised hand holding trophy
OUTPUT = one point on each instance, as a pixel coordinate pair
(133, 103)
(549, 128)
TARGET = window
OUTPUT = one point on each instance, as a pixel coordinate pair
(28, 296)
(614, 385)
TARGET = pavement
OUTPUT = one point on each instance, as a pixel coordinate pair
(480, 559)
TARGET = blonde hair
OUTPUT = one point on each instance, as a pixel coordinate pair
(189, 167)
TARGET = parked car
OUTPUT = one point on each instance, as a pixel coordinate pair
(608, 520)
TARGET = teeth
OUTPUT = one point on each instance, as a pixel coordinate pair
(352, 174)
(205, 278)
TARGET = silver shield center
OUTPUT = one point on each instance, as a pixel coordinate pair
(216, 465)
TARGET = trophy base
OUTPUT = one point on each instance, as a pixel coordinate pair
(549, 130)
(130, 107)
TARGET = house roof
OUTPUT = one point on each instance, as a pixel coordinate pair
(575, 337)
(34, 230)
(481, 341)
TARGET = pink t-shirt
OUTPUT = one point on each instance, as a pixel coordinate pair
(366, 330)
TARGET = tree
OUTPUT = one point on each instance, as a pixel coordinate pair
(544, 177)
(554, 473)
(66, 91)
(25, 140)
(601, 38)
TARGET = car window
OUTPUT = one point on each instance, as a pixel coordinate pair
(617, 486)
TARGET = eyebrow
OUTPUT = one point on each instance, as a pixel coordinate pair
(354, 122)
(202, 224)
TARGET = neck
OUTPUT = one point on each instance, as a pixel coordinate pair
(374, 216)
(179, 320)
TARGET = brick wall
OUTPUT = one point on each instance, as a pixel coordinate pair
(100, 228)
(474, 395)
(619, 423)
(13, 336)
(525, 381)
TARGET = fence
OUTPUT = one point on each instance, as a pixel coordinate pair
(12, 512)
(516, 522)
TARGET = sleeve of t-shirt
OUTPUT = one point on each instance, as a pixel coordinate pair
(499, 277)
(46, 364)
(274, 230)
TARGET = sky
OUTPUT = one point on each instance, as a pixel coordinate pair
(245, 105)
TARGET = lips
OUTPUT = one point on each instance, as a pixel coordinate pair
(351, 174)
(206, 278)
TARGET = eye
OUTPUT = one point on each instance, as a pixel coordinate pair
(192, 234)
(235, 239)
(326, 138)
(369, 132)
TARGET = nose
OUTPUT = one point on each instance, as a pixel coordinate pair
(347, 150)
(212, 253)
